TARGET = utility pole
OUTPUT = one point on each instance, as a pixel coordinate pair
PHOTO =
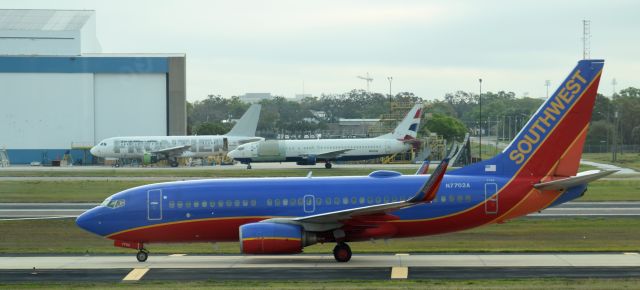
(586, 39)
(480, 103)
(547, 83)
(614, 151)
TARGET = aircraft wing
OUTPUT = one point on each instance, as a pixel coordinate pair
(173, 151)
(581, 178)
(332, 154)
(425, 193)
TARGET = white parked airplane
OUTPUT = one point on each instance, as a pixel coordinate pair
(153, 148)
(308, 152)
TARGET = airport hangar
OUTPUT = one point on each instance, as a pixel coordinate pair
(60, 93)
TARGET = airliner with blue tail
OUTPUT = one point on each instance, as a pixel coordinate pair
(539, 169)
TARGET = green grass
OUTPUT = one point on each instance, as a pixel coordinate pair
(62, 191)
(613, 190)
(628, 160)
(542, 283)
(536, 235)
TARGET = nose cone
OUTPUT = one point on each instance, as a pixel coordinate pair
(88, 221)
(94, 151)
(233, 154)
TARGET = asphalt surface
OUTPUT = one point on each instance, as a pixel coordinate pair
(318, 267)
(68, 210)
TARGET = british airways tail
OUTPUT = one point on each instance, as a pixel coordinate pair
(248, 123)
(550, 144)
(407, 129)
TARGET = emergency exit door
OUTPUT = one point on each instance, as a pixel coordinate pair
(491, 198)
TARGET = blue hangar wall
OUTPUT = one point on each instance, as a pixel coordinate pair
(54, 104)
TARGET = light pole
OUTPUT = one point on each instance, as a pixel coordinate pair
(390, 79)
(480, 103)
(547, 83)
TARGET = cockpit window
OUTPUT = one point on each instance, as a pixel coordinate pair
(113, 203)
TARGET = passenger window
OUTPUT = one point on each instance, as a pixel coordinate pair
(460, 198)
(300, 201)
(229, 203)
(386, 199)
(269, 202)
(285, 202)
(452, 198)
(196, 204)
(236, 203)
(204, 203)
(172, 204)
(327, 201)
(378, 199)
(292, 202)
(308, 201)
(245, 203)
(345, 200)
(354, 200)
(278, 202)
(394, 198)
(467, 198)
(443, 198)
(318, 201)
(362, 200)
(220, 203)
(187, 204)
(212, 204)
(180, 204)
(336, 201)
(369, 200)
(253, 202)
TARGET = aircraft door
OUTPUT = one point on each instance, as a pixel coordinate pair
(154, 204)
(491, 198)
(225, 145)
(309, 203)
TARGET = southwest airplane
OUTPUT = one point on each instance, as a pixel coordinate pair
(153, 148)
(308, 152)
(539, 169)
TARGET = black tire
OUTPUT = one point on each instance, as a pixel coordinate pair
(174, 164)
(142, 256)
(248, 166)
(342, 253)
(327, 165)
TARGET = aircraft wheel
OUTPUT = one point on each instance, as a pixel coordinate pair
(174, 164)
(342, 252)
(327, 165)
(248, 166)
(142, 255)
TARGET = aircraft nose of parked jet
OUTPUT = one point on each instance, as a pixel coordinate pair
(233, 154)
(94, 150)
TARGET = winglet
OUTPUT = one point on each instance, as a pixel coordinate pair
(428, 190)
(424, 167)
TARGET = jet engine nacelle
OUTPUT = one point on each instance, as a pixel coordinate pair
(309, 160)
(274, 238)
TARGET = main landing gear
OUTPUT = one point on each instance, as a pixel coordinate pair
(142, 255)
(342, 252)
(173, 163)
(248, 165)
(327, 165)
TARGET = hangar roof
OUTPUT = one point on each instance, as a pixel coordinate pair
(45, 20)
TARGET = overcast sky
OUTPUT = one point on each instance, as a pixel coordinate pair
(428, 47)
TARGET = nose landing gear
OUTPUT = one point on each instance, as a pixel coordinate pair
(142, 255)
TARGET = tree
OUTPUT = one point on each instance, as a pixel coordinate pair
(212, 128)
(449, 127)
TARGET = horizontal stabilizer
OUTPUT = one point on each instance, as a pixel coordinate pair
(580, 179)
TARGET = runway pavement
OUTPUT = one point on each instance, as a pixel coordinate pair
(319, 267)
(571, 209)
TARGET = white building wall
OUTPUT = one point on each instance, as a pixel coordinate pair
(130, 105)
(22, 42)
(45, 110)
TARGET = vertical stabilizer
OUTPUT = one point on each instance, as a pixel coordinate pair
(407, 129)
(248, 123)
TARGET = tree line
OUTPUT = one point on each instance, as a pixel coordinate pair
(503, 114)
